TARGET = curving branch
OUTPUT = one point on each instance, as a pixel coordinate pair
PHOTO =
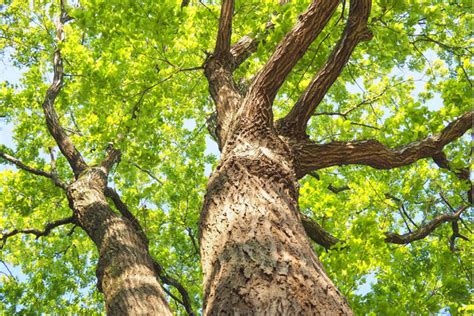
(320, 236)
(294, 124)
(38, 172)
(36, 232)
(463, 174)
(425, 230)
(312, 156)
(65, 144)
(456, 234)
(185, 299)
(292, 47)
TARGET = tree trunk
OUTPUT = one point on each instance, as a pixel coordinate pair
(125, 269)
(256, 258)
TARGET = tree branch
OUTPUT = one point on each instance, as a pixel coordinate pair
(463, 174)
(294, 124)
(38, 233)
(425, 230)
(112, 157)
(225, 28)
(267, 82)
(35, 171)
(148, 172)
(317, 233)
(331, 187)
(241, 50)
(123, 209)
(312, 156)
(456, 234)
(185, 301)
(247, 45)
(244, 47)
(218, 71)
(65, 144)
(320, 236)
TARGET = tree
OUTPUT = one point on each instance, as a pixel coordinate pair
(371, 177)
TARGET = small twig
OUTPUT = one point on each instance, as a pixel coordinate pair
(148, 172)
(185, 301)
(38, 233)
(193, 240)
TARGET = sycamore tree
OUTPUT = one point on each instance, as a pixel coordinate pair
(339, 182)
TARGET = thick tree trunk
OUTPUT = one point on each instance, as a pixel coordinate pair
(125, 270)
(256, 258)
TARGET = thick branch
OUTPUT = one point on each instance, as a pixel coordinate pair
(112, 157)
(35, 171)
(372, 153)
(38, 233)
(218, 71)
(317, 233)
(65, 144)
(425, 230)
(293, 46)
(224, 93)
(225, 28)
(355, 32)
(241, 50)
(244, 47)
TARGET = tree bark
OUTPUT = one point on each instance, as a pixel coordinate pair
(125, 270)
(256, 257)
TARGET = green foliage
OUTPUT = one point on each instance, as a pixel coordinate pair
(133, 79)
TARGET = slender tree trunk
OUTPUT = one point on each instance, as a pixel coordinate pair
(256, 258)
(125, 270)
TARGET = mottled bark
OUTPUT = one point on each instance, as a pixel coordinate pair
(256, 258)
(125, 270)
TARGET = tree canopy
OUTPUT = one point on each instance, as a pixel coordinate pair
(394, 241)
